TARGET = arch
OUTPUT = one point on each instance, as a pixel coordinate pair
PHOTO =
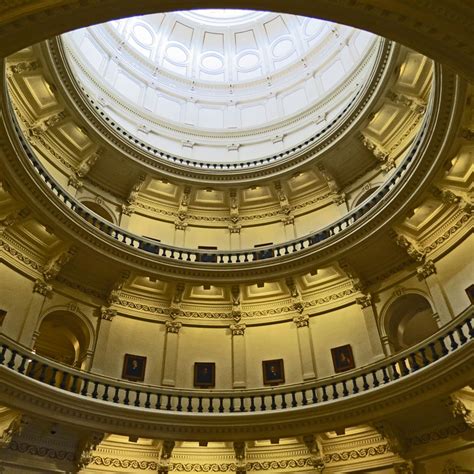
(65, 336)
(100, 210)
(441, 30)
(408, 319)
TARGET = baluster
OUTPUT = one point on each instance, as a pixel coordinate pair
(462, 337)
(168, 403)
(375, 379)
(242, 405)
(95, 393)
(471, 330)
(137, 398)
(404, 368)
(105, 395)
(304, 400)
(84, 388)
(200, 405)
(231, 408)
(179, 407)
(355, 388)
(454, 344)
(335, 394)
(432, 347)
(22, 367)
(283, 401)
(395, 373)
(42, 372)
(189, 408)
(262, 405)
(415, 365)
(158, 401)
(11, 362)
(345, 392)
(75, 378)
(315, 396)
(147, 401)
(294, 403)
(325, 395)
(116, 395)
(126, 400)
(386, 378)
(252, 403)
(52, 379)
(273, 405)
(2, 354)
(221, 405)
(423, 357)
(444, 349)
(64, 380)
(211, 408)
(365, 385)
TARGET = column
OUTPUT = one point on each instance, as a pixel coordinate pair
(444, 313)
(41, 291)
(171, 353)
(370, 319)
(104, 325)
(305, 344)
(239, 371)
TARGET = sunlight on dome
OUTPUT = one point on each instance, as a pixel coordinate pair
(207, 71)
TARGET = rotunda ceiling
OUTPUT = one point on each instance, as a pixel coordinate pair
(222, 85)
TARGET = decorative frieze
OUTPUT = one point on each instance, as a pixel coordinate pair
(23, 66)
(415, 104)
(14, 218)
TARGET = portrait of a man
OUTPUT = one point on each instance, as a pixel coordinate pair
(134, 367)
(204, 374)
(342, 358)
(273, 372)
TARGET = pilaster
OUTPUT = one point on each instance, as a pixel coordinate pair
(239, 369)
(171, 353)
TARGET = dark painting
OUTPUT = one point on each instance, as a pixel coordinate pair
(204, 374)
(134, 367)
(273, 372)
(342, 358)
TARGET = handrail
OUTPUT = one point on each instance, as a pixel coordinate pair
(243, 256)
(451, 338)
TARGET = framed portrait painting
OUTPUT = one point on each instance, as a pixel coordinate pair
(273, 372)
(342, 358)
(134, 367)
(204, 374)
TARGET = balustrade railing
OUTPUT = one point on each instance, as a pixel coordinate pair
(216, 257)
(456, 335)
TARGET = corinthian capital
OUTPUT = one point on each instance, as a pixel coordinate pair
(364, 301)
(301, 321)
(173, 326)
(427, 269)
(42, 288)
(238, 329)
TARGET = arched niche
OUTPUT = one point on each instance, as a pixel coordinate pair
(409, 320)
(63, 336)
(99, 210)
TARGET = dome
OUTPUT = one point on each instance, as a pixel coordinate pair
(219, 255)
(222, 85)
